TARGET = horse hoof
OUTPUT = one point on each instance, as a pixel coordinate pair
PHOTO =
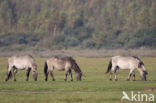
(6, 80)
(71, 80)
(110, 79)
(127, 79)
(116, 79)
(53, 79)
(15, 80)
(65, 80)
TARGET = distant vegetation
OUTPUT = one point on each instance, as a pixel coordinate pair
(77, 24)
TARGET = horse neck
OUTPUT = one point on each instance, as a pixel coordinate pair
(140, 61)
(143, 68)
(75, 66)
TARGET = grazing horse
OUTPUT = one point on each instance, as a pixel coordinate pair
(61, 64)
(21, 63)
(131, 63)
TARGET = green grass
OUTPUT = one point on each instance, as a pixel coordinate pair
(95, 86)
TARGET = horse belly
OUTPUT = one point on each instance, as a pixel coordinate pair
(60, 68)
(20, 65)
(123, 65)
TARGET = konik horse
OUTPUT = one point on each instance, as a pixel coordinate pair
(61, 64)
(132, 63)
(21, 62)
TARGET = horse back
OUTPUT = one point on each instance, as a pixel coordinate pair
(58, 63)
(124, 62)
(21, 61)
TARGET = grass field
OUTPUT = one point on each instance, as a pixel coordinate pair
(95, 87)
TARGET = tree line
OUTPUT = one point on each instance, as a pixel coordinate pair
(70, 24)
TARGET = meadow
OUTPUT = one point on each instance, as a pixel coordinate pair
(95, 86)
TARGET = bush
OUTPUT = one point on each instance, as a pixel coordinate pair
(88, 44)
(20, 38)
(57, 39)
(71, 41)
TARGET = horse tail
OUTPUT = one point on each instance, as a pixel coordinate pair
(9, 75)
(46, 70)
(109, 67)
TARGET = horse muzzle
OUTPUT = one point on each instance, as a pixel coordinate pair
(144, 77)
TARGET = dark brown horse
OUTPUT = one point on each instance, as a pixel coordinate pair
(61, 64)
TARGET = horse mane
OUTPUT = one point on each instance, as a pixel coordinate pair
(74, 64)
(30, 56)
(140, 61)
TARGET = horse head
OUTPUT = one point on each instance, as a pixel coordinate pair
(143, 73)
(76, 68)
(141, 68)
(34, 72)
(78, 76)
(34, 75)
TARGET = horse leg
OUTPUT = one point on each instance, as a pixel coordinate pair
(14, 73)
(51, 73)
(46, 72)
(27, 73)
(129, 76)
(111, 73)
(46, 76)
(134, 76)
(65, 77)
(116, 72)
(70, 73)
(8, 73)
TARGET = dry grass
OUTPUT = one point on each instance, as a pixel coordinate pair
(143, 52)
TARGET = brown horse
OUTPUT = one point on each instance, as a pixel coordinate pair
(61, 64)
(20, 63)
